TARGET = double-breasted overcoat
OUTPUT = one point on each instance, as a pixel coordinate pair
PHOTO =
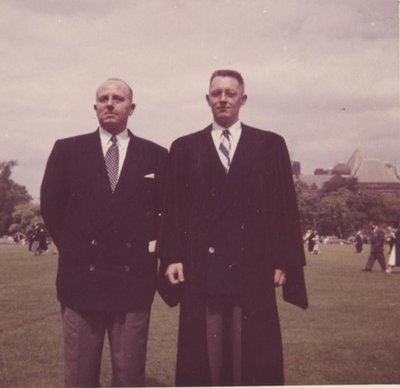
(260, 180)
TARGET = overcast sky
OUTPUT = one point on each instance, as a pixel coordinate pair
(323, 73)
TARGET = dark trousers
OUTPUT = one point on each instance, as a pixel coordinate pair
(224, 340)
(84, 333)
(373, 256)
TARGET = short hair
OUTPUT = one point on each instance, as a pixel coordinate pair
(228, 73)
(127, 85)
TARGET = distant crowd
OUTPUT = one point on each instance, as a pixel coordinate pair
(36, 239)
(375, 235)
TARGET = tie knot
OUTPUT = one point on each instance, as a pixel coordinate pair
(113, 139)
(226, 133)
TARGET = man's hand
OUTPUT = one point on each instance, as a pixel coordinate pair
(174, 273)
(279, 277)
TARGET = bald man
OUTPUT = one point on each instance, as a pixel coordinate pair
(100, 199)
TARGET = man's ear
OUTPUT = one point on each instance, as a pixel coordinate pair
(133, 106)
(208, 99)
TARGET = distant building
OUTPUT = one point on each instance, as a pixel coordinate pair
(372, 174)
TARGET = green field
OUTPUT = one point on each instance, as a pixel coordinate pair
(349, 335)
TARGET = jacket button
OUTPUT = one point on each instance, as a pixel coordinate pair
(127, 268)
(92, 267)
(128, 245)
(93, 242)
(242, 226)
(211, 250)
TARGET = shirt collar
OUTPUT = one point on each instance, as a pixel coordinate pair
(122, 138)
(235, 129)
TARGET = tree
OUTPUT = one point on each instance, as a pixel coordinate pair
(368, 206)
(393, 209)
(11, 195)
(334, 213)
(24, 216)
(308, 203)
(338, 182)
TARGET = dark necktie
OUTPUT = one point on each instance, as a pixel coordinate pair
(225, 148)
(112, 160)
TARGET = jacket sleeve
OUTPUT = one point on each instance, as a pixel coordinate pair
(171, 244)
(290, 249)
(55, 191)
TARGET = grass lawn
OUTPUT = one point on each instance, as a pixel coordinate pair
(347, 336)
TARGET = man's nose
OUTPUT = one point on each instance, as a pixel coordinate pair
(110, 102)
(222, 97)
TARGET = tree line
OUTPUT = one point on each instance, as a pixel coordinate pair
(341, 207)
(17, 211)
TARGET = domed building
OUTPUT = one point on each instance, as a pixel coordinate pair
(341, 169)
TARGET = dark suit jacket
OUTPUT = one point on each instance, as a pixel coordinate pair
(265, 235)
(377, 241)
(103, 237)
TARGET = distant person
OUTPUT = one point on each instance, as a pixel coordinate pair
(359, 242)
(306, 235)
(18, 238)
(230, 236)
(377, 242)
(40, 237)
(394, 257)
(391, 237)
(35, 237)
(101, 201)
(30, 236)
(316, 249)
(311, 242)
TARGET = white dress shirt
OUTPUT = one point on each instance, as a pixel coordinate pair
(122, 142)
(235, 132)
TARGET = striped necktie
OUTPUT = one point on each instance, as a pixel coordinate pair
(225, 148)
(112, 160)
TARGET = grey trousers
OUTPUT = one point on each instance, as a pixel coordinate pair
(376, 256)
(224, 328)
(84, 333)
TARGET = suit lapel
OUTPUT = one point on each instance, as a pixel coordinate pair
(210, 161)
(132, 168)
(97, 171)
